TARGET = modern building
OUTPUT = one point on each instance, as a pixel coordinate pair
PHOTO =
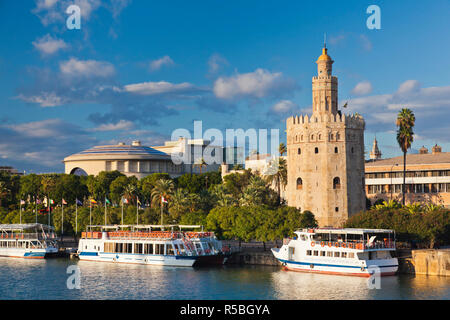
(174, 157)
(427, 177)
(131, 160)
(325, 154)
(10, 170)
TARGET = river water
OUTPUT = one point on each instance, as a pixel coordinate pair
(47, 279)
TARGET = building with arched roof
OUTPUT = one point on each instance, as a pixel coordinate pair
(131, 160)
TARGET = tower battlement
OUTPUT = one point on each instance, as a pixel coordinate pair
(352, 120)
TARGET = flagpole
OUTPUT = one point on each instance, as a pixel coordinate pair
(20, 205)
(137, 210)
(162, 204)
(76, 217)
(90, 212)
(105, 211)
(35, 203)
(121, 200)
(62, 218)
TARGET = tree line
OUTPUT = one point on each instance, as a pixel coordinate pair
(240, 206)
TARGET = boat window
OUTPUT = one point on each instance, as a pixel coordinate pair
(303, 237)
(159, 248)
(169, 249)
(316, 253)
(138, 248)
(308, 252)
(351, 255)
(322, 253)
(329, 253)
(148, 248)
(344, 255)
(336, 254)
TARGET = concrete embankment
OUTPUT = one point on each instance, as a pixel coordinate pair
(431, 262)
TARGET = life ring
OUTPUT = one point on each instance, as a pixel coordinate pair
(322, 244)
(336, 244)
(313, 243)
(344, 245)
(330, 244)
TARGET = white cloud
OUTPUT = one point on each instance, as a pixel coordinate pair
(362, 88)
(259, 84)
(47, 45)
(408, 86)
(152, 88)
(45, 99)
(365, 42)
(38, 129)
(215, 63)
(159, 63)
(284, 106)
(121, 125)
(86, 68)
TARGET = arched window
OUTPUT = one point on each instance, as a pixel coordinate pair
(336, 150)
(336, 183)
(316, 150)
(312, 137)
(332, 137)
(338, 136)
(301, 138)
(352, 150)
(299, 151)
(320, 137)
(299, 184)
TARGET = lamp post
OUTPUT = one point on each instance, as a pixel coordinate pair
(394, 165)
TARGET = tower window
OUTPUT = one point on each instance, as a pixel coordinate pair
(338, 136)
(352, 150)
(316, 150)
(336, 183)
(336, 209)
(299, 183)
(335, 149)
(299, 151)
(320, 137)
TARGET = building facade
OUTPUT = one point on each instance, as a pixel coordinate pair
(325, 154)
(427, 178)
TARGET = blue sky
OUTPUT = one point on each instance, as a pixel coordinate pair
(141, 69)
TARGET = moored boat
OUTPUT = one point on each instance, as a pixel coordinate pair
(357, 252)
(31, 241)
(147, 244)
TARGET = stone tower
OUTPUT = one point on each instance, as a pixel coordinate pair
(325, 156)
(375, 154)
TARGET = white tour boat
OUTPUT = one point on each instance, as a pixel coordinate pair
(148, 244)
(357, 252)
(33, 240)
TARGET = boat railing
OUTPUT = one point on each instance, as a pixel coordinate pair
(358, 244)
(27, 236)
(142, 235)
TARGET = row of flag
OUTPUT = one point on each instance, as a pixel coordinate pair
(91, 201)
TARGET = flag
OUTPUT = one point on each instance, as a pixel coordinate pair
(22, 201)
(45, 201)
(107, 201)
(138, 202)
(125, 200)
(163, 200)
(52, 202)
(93, 201)
(38, 201)
(78, 202)
(64, 201)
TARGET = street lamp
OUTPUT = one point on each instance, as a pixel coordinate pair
(394, 165)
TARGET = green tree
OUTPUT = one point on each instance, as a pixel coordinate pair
(4, 191)
(277, 175)
(405, 137)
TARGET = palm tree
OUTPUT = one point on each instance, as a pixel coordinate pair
(277, 175)
(200, 164)
(163, 189)
(129, 192)
(282, 149)
(405, 137)
(4, 191)
(178, 202)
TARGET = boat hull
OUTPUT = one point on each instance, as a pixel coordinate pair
(25, 253)
(157, 260)
(208, 260)
(349, 270)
